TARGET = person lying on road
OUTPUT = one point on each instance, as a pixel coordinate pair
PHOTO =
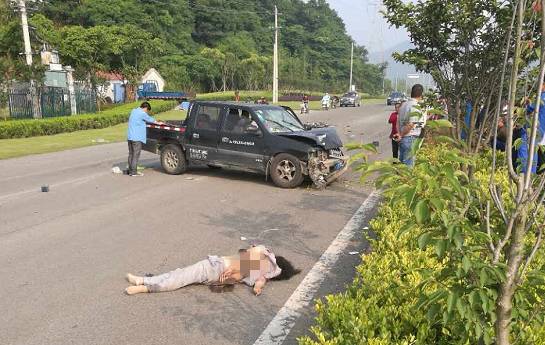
(253, 266)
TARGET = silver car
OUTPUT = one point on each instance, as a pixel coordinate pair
(351, 99)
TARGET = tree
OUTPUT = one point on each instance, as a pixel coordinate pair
(461, 44)
(487, 237)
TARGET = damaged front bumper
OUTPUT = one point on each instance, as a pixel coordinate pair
(324, 167)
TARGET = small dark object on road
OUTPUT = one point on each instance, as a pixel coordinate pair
(45, 188)
(376, 144)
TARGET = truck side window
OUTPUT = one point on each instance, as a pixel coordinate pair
(237, 121)
(207, 117)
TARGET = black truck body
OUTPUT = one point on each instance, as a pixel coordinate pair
(265, 139)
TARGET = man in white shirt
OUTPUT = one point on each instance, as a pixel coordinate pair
(410, 122)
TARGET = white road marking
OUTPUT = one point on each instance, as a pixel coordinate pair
(279, 328)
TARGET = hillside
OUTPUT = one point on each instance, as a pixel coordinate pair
(200, 45)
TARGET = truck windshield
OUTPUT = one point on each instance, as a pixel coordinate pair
(278, 120)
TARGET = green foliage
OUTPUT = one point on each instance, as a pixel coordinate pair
(461, 43)
(203, 45)
(430, 278)
(65, 124)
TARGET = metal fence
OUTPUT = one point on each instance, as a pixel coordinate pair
(20, 104)
(55, 101)
(86, 101)
(50, 101)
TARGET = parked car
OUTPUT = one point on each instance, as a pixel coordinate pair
(266, 139)
(395, 97)
(351, 99)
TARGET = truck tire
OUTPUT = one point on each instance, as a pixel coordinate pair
(286, 171)
(173, 159)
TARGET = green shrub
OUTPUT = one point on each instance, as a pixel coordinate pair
(244, 95)
(65, 124)
(391, 299)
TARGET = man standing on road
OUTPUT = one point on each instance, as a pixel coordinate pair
(411, 120)
(136, 135)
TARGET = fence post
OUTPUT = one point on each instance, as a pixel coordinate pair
(35, 99)
(71, 90)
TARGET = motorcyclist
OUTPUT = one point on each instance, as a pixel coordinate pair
(304, 104)
(326, 101)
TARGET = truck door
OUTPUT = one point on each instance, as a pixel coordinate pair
(241, 141)
(204, 138)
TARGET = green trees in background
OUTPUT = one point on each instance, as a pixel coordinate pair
(199, 45)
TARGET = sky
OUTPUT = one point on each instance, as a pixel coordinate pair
(367, 26)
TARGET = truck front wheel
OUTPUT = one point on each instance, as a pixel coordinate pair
(286, 171)
(173, 159)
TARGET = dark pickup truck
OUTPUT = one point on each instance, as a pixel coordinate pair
(266, 139)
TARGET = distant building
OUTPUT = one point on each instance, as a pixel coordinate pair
(116, 85)
(153, 76)
(113, 88)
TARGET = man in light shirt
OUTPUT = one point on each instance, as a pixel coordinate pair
(411, 120)
(136, 135)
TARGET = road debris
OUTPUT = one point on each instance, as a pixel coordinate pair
(45, 188)
(353, 253)
(242, 238)
(117, 170)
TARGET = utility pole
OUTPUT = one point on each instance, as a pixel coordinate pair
(275, 57)
(351, 66)
(26, 35)
(28, 54)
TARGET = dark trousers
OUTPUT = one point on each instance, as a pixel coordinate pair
(395, 148)
(135, 147)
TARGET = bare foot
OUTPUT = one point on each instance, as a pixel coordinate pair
(134, 280)
(133, 290)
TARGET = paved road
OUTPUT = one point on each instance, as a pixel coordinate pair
(63, 254)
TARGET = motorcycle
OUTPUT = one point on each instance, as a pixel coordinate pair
(304, 108)
(325, 104)
(335, 102)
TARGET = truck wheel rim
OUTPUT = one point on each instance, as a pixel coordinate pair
(286, 170)
(171, 160)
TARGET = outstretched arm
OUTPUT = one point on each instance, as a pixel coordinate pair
(259, 285)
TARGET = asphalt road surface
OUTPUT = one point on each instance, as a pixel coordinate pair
(64, 254)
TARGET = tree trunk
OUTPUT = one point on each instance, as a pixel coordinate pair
(504, 304)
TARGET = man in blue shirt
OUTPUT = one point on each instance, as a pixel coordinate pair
(136, 135)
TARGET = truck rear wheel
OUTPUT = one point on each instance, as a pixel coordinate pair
(286, 171)
(173, 159)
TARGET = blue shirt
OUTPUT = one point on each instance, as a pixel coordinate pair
(137, 125)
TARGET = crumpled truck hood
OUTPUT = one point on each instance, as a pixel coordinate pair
(324, 137)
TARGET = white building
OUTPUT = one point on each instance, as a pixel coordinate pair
(153, 76)
(114, 87)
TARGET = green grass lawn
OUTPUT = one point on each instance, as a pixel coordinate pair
(10, 148)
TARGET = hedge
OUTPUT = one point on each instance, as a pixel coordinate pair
(380, 307)
(66, 124)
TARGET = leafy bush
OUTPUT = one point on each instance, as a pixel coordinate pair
(248, 95)
(65, 124)
(426, 281)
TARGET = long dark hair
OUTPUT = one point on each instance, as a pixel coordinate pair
(288, 270)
